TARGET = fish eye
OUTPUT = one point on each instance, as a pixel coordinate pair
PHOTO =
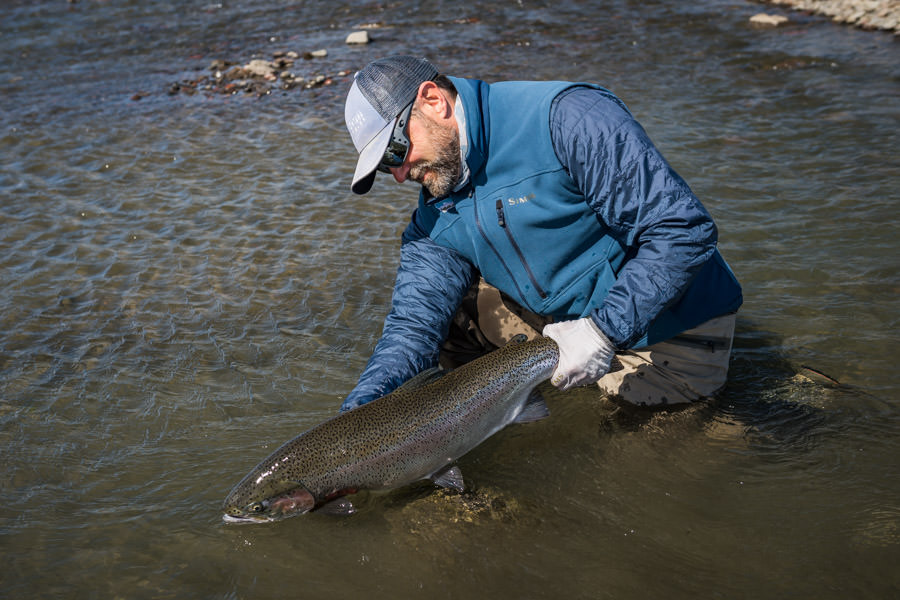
(256, 507)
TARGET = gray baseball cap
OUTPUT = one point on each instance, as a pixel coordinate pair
(380, 92)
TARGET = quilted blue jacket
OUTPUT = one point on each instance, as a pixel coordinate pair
(571, 211)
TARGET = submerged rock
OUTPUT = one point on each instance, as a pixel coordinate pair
(449, 507)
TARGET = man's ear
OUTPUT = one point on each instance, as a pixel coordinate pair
(431, 98)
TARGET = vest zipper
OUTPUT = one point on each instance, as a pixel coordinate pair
(501, 220)
(499, 257)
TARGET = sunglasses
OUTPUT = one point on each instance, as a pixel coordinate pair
(398, 147)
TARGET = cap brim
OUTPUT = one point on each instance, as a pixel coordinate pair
(369, 159)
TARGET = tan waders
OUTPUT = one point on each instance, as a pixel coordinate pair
(686, 368)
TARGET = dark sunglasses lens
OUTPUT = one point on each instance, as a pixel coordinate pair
(394, 156)
(395, 153)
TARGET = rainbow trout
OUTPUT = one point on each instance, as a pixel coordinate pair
(415, 432)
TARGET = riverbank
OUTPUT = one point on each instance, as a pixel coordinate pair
(866, 14)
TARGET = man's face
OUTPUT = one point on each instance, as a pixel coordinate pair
(433, 159)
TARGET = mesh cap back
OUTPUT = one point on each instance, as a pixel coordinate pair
(389, 84)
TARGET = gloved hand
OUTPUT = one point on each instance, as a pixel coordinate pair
(584, 352)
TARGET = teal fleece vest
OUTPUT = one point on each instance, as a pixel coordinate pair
(528, 229)
(500, 223)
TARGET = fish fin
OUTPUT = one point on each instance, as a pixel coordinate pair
(534, 409)
(340, 507)
(424, 378)
(450, 478)
(818, 376)
(517, 339)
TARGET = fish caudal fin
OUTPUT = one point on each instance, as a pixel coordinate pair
(534, 409)
(450, 478)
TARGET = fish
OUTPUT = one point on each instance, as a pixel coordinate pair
(417, 432)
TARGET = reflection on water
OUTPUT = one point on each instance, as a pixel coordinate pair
(188, 283)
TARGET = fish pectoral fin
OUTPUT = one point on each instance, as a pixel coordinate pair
(534, 409)
(450, 478)
(517, 339)
(340, 507)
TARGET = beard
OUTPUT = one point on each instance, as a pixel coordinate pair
(439, 175)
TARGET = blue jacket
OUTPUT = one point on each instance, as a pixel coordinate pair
(571, 211)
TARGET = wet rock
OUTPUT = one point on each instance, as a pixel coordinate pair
(768, 20)
(220, 65)
(260, 68)
(867, 14)
(358, 37)
(442, 508)
(258, 76)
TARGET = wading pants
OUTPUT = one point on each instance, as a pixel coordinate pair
(689, 367)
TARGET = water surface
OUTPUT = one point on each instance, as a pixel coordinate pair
(188, 282)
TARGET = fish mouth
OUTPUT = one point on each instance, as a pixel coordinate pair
(244, 519)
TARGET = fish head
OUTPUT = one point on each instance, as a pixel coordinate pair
(241, 507)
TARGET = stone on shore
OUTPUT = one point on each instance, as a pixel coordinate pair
(261, 68)
(765, 19)
(867, 14)
(358, 37)
(259, 76)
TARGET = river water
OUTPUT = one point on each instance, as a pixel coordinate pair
(188, 282)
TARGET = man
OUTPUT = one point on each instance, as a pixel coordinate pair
(544, 208)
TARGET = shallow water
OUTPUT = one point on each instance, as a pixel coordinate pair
(188, 282)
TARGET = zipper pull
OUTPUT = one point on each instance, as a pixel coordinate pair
(501, 218)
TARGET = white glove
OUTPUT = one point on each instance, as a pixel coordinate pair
(584, 352)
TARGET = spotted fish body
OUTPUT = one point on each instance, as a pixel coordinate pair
(413, 433)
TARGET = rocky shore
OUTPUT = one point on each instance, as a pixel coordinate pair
(263, 74)
(259, 76)
(867, 14)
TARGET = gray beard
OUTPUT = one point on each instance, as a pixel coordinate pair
(446, 166)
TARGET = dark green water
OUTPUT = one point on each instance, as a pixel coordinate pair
(188, 282)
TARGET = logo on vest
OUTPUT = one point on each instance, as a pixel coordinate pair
(519, 200)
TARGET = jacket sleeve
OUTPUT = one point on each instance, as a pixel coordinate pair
(430, 285)
(645, 205)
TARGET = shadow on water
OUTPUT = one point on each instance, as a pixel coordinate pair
(776, 403)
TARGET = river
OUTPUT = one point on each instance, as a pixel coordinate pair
(188, 282)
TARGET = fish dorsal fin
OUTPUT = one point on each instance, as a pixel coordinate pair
(423, 378)
(450, 478)
(534, 409)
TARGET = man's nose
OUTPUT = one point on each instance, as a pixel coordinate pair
(401, 173)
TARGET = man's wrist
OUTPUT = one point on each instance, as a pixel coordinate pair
(601, 335)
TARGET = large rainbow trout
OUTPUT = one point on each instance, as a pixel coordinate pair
(415, 432)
